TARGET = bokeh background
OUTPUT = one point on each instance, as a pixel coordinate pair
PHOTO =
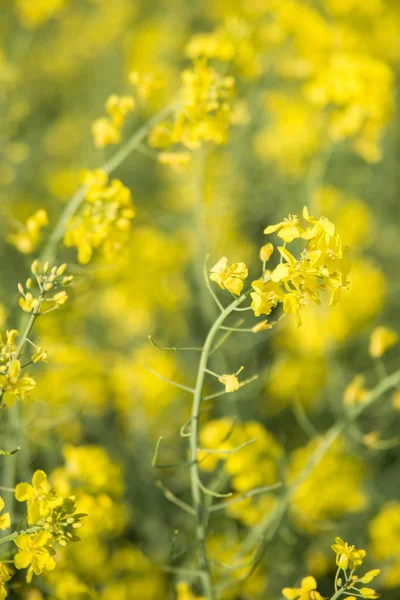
(316, 124)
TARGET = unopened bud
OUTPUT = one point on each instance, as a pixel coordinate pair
(35, 267)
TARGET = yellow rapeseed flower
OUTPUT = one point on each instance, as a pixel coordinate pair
(34, 553)
(307, 591)
(40, 498)
(382, 338)
(347, 556)
(5, 520)
(229, 278)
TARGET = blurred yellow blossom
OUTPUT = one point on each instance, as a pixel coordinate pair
(5, 520)
(27, 239)
(307, 590)
(382, 338)
(5, 576)
(356, 391)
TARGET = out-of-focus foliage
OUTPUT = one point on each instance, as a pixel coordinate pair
(260, 107)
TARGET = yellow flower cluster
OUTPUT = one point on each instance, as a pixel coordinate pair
(307, 591)
(348, 558)
(56, 520)
(104, 219)
(48, 280)
(107, 130)
(27, 238)
(249, 454)
(293, 283)
(205, 113)
(14, 385)
(332, 489)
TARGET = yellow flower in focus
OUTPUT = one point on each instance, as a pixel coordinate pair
(382, 338)
(40, 498)
(369, 593)
(323, 228)
(231, 382)
(307, 591)
(229, 278)
(27, 239)
(266, 252)
(34, 553)
(370, 576)
(356, 391)
(15, 386)
(5, 576)
(265, 297)
(288, 230)
(347, 556)
(105, 132)
(5, 520)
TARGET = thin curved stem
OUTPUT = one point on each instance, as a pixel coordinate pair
(196, 486)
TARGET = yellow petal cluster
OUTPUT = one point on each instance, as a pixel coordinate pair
(229, 278)
(107, 130)
(382, 338)
(104, 219)
(28, 237)
(206, 112)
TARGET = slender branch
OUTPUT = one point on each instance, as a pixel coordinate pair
(228, 452)
(224, 392)
(175, 500)
(171, 348)
(267, 528)
(249, 494)
(174, 383)
(196, 485)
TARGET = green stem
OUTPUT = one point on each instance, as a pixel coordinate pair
(197, 494)
(269, 525)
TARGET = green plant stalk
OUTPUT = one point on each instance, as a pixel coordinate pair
(48, 254)
(197, 493)
(266, 529)
(13, 414)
